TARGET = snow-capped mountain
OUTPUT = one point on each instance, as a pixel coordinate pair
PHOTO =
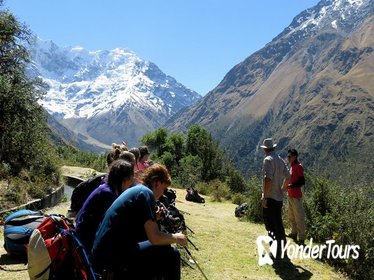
(107, 95)
(341, 15)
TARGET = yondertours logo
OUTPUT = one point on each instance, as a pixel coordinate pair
(267, 250)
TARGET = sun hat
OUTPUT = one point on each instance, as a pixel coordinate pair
(268, 144)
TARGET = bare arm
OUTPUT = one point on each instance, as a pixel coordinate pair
(285, 184)
(266, 189)
(267, 186)
(156, 237)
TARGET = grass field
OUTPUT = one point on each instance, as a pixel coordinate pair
(227, 248)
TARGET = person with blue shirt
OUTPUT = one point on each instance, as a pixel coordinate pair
(120, 177)
(128, 243)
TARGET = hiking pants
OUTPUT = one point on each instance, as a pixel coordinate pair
(149, 262)
(159, 261)
(296, 216)
(273, 220)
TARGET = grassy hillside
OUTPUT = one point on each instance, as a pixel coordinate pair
(227, 248)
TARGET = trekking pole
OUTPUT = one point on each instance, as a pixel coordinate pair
(187, 263)
(189, 240)
(184, 212)
(189, 253)
(190, 229)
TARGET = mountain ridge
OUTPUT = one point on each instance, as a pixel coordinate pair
(309, 90)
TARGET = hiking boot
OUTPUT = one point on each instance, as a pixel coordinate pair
(293, 236)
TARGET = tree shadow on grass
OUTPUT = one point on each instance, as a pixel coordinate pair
(285, 269)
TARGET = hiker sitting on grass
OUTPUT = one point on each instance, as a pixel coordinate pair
(120, 177)
(84, 189)
(128, 243)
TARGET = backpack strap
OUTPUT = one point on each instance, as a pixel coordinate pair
(84, 253)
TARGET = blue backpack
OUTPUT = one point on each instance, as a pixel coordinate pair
(18, 228)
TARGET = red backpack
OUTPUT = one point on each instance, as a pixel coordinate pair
(55, 252)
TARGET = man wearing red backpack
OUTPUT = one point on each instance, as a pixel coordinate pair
(128, 243)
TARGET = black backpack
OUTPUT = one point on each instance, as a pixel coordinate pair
(18, 228)
(241, 210)
(168, 198)
(82, 192)
(193, 195)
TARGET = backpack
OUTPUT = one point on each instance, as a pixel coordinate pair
(18, 228)
(168, 198)
(82, 192)
(172, 220)
(56, 253)
(171, 196)
(193, 195)
(241, 210)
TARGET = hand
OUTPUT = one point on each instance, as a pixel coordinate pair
(180, 238)
(265, 203)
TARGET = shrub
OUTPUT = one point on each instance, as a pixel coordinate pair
(254, 213)
(39, 189)
(239, 198)
(16, 191)
(190, 171)
(202, 188)
(234, 179)
(167, 159)
(344, 214)
(218, 190)
(69, 155)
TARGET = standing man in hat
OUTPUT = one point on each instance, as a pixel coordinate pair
(275, 173)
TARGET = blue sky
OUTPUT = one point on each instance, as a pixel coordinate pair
(195, 41)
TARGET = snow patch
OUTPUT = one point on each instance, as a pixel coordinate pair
(334, 25)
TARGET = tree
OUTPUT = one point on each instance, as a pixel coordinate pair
(23, 138)
(169, 149)
(200, 143)
(156, 140)
(234, 179)
(190, 171)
